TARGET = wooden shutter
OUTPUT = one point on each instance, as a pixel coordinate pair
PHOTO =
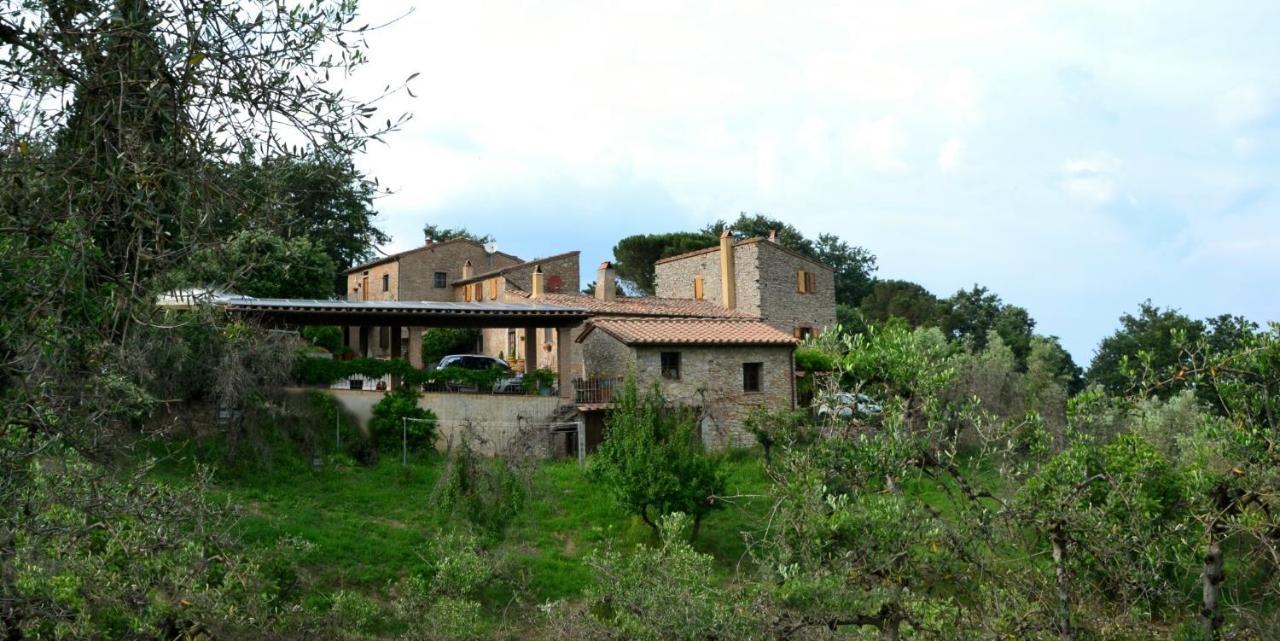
(697, 287)
(466, 293)
(811, 282)
(801, 281)
(479, 292)
(493, 289)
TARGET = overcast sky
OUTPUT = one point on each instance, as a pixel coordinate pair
(1075, 157)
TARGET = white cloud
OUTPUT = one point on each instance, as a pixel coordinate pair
(959, 96)
(1242, 105)
(879, 143)
(1092, 179)
(949, 154)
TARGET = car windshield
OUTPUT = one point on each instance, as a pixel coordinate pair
(473, 362)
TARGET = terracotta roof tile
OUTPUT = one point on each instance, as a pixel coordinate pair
(398, 255)
(644, 306)
(689, 331)
(510, 268)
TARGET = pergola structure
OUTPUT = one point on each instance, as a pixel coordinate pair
(395, 315)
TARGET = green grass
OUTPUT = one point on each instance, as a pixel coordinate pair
(367, 526)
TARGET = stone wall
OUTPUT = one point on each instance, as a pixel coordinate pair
(418, 268)
(559, 275)
(603, 355)
(674, 279)
(782, 304)
(711, 378)
(497, 423)
(355, 282)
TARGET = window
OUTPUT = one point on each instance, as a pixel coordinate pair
(364, 287)
(671, 365)
(386, 282)
(441, 280)
(803, 332)
(697, 287)
(806, 282)
(751, 376)
(478, 294)
(511, 344)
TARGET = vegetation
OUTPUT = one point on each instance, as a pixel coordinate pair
(158, 482)
(652, 462)
(397, 420)
(439, 342)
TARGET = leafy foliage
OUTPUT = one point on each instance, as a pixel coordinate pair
(485, 491)
(388, 427)
(436, 233)
(439, 342)
(652, 460)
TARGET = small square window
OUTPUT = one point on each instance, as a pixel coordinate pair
(751, 376)
(441, 280)
(803, 333)
(671, 365)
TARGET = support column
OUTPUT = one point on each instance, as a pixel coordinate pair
(396, 353)
(563, 374)
(530, 349)
(415, 347)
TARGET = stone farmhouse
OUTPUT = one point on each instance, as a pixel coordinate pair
(721, 343)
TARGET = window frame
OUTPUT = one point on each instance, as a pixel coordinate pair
(665, 370)
(386, 282)
(440, 280)
(752, 370)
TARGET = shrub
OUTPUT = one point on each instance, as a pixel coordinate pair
(458, 571)
(541, 378)
(327, 336)
(810, 359)
(485, 491)
(777, 427)
(354, 609)
(387, 425)
(439, 342)
(652, 461)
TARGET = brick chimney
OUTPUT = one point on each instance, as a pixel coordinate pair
(606, 282)
(537, 283)
(728, 272)
(773, 235)
(466, 270)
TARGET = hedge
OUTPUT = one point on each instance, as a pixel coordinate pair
(324, 371)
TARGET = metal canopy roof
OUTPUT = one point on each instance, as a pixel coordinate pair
(407, 313)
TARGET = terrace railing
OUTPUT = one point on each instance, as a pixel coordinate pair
(596, 389)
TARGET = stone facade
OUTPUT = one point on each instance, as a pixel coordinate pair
(711, 379)
(767, 284)
(413, 272)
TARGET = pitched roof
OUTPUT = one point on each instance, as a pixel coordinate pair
(747, 241)
(396, 256)
(643, 306)
(689, 331)
(511, 268)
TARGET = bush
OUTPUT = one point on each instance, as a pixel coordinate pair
(809, 359)
(327, 336)
(777, 427)
(541, 378)
(387, 425)
(439, 342)
(652, 460)
(485, 491)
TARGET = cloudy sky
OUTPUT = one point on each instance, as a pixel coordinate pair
(1076, 157)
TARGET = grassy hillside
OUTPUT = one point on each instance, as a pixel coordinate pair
(366, 527)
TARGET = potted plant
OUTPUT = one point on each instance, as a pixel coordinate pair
(541, 379)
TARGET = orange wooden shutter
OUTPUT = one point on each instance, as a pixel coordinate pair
(811, 282)
(801, 281)
(697, 287)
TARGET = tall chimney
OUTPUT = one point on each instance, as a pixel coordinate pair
(773, 235)
(466, 270)
(537, 283)
(728, 273)
(606, 281)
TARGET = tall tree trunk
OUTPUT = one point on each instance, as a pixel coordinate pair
(1059, 540)
(1211, 582)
